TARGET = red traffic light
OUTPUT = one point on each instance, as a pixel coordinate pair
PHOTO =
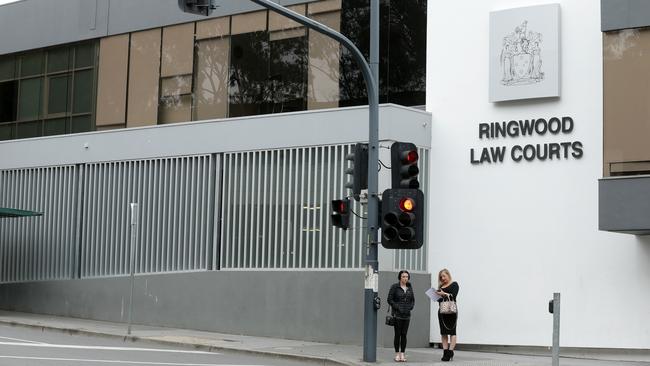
(410, 157)
(341, 213)
(404, 165)
(340, 206)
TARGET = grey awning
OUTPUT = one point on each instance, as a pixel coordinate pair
(12, 212)
(623, 204)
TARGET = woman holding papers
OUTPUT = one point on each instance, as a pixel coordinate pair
(402, 301)
(448, 291)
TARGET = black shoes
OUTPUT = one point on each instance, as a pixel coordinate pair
(447, 355)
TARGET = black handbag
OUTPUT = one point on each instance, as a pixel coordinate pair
(390, 320)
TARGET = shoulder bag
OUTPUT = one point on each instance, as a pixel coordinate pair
(390, 320)
(448, 306)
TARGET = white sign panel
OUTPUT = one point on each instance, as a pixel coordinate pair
(525, 53)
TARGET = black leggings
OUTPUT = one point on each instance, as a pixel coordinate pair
(401, 327)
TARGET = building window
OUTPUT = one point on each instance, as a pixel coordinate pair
(144, 78)
(176, 74)
(324, 57)
(288, 71)
(248, 92)
(249, 64)
(402, 59)
(44, 92)
(211, 78)
(626, 87)
(8, 100)
(268, 65)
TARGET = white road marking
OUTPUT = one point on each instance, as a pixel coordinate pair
(102, 348)
(21, 340)
(117, 361)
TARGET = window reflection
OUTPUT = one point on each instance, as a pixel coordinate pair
(288, 71)
(211, 88)
(402, 64)
(248, 92)
(324, 57)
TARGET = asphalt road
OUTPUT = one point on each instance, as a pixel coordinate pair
(28, 346)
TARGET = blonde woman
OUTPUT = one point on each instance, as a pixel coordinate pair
(448, 290)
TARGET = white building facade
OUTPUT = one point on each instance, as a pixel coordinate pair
(514, 232)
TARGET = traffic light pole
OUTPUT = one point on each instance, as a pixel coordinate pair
(371, 77)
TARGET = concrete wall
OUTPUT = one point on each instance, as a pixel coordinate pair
(306, 305)
(513, 233)
(43, 23)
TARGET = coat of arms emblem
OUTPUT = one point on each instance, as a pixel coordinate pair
(521, 57)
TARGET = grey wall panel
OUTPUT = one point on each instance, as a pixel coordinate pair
(316, 306)
(128, 15)
(622, 14)
(623, 205)
(309, 128)
(33, 24)
(43, 23)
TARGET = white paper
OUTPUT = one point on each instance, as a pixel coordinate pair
(432, 294)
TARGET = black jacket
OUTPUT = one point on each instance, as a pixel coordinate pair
(401, 302)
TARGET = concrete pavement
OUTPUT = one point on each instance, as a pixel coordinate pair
(307, 352)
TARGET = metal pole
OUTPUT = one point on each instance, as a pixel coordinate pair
(134, 235)
(372, 264)
(556, 329)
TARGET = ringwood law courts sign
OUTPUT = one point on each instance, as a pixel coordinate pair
(541, 127)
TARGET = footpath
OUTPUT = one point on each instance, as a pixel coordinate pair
(309, 352)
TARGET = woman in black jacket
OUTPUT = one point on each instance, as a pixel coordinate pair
(448, 290)
(402, 300)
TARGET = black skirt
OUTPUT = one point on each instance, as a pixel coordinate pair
(447, 323)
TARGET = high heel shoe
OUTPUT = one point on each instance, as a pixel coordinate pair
(451, 354)
(446, 355)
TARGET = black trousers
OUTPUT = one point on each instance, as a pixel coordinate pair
(401, 328)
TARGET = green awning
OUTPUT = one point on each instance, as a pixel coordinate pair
(12, 212)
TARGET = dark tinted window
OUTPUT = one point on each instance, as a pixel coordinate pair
(41, 92)
(249, 74)
(288, 75)
(8, 99)
(28, 129)
(402, 50)
(267, 74)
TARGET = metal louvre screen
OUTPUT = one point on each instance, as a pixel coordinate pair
(276, 210)
(416, 260)
(176, 199)
(246, 210)
(38, 248)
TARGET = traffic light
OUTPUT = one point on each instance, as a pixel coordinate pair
(198, 7)
(341, 215)
(358, 169)
(402, 219)
(404, 165)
